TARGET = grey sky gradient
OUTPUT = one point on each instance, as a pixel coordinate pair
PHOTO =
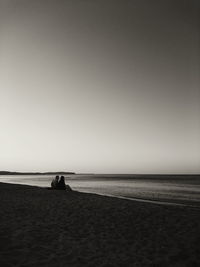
(100, 86)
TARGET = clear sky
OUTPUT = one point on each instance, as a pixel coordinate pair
(101, 86)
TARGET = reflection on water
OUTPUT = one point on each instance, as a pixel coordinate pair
(182, 188)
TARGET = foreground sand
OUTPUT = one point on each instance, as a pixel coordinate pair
(40, 227)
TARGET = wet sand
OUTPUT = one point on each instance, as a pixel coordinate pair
(40, 227)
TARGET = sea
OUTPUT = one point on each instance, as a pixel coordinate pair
(166, 188)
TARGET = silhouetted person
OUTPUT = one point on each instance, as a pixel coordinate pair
(54, 183)
(61, 183)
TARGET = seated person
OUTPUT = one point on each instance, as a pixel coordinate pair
(54, 183)
(61, 183)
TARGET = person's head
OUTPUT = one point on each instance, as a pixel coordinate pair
(57, 177)
(62, 178)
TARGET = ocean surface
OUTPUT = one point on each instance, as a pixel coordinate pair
(170, 188)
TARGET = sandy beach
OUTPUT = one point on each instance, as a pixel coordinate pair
(40, 227)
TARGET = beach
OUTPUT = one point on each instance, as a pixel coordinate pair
(41, 227)
(183, 189)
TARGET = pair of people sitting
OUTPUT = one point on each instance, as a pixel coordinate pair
(58, 183)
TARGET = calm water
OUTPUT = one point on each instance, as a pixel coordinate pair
(162, 187)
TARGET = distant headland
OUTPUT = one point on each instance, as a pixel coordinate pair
(35, 173)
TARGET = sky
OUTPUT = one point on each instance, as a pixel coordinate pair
(102, 86)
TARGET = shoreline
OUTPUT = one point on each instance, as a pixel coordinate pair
(143, 200)
(181, 203)
(41, 227)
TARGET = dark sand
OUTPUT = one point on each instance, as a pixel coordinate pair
(40, 227)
